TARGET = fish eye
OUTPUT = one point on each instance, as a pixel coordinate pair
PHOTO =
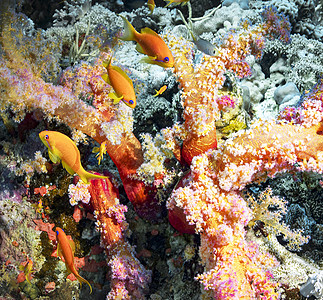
(57, 232)
(46, 137)
(166, 59)
(130, 101)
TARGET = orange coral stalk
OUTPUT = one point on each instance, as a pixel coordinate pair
(129, 278)
(104, 196)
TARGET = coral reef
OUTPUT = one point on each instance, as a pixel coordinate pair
(231, 152)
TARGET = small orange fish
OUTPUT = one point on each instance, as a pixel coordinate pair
(39, 206)
(151, 5)
(27, 269)
(160, 91)
(149, 43)
(62, 148)
(65, 249)
(176, 2)
(102, 150)
(121, 83)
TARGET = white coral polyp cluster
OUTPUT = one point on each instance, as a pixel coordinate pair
(79, 193)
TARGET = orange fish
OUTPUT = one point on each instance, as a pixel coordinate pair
(27, 269)
(65, 249)
(62, 148)
(160, 91)
(121, 83)
(149, 43)
(176, 2)
(102, 150)
(151, 5)
(39, 206)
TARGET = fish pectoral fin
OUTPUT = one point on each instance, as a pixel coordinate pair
(68, 168)
(149, 60)
(139, 49)
(115, 98)
(59, 252)
(105, 77)
(53, 157)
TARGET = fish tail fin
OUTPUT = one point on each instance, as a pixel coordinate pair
(129, 31)
(87, 176)
(81, 279)
(27, 278)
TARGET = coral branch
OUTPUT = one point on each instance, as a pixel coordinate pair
(128, 277)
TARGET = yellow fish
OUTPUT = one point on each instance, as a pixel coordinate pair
(176, 2)
(160, 91)
(65, 249)
(101, 151)
(121, 83)
(27, 269)
(62, 148)
(149, 43)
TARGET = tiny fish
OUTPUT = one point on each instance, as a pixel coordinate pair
(160, 91)
(39, 206)
(27, 269)
(65, 249)
(149, 43)
(101, 151)
(151, 5)
(201, 44)
(121, 83)
(205, 46)
(176, 2)
(62, 148)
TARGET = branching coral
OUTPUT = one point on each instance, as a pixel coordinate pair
(211, 199)
(201, 84)
(208, 199)
(24, 89)
(129, 279)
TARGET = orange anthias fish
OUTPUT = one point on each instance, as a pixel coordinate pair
(100, 150)
(176, 2)
(27, 269)
(151, 5)
(149, 43)
(65, 249)
(121, 83)
(160, 91)
(62, 148)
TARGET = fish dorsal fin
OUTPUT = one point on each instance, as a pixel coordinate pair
(149, 31)
(68, 168)
(72, 244)
(122, 73)
(105, 77)
(53, 157)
